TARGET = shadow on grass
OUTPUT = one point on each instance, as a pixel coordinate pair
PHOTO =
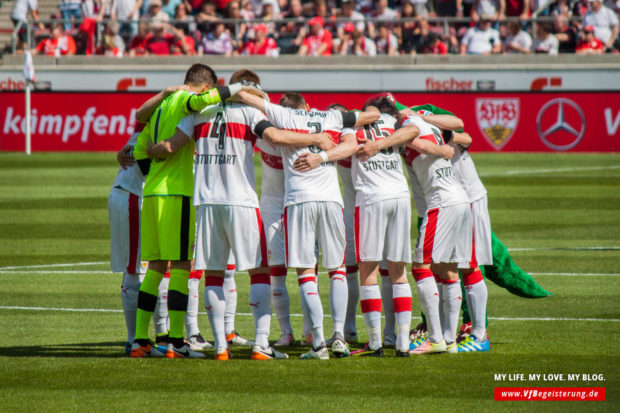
(106, 350)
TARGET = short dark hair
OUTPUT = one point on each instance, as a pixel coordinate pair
(199, 74)
(384, 104)
(293, 100)
(245, 74)
(338, 106)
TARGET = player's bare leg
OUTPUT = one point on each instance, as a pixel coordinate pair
(402, 303)
(370, 300)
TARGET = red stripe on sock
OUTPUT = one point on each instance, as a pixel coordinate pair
(277, 271)
(402, 304)
(212, 281)
(195, 275)
(167, 274)
(371, 304)
(337, 272)
(472, 278)
(384, 272)
(306, 279)
(260, 279)
(230, 267)
(352, 268)
(421, 273)
(429, 235)
(448, 282)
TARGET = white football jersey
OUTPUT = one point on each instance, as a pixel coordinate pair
(225, 140)
(131, 179)
(439, 183)
(380, 177)
(466, 173)
(321, 183)
(272, 183)
(419, 199)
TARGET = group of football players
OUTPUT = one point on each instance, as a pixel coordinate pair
(186, 190)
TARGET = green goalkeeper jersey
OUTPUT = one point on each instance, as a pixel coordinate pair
(427, 107)
(172, 175)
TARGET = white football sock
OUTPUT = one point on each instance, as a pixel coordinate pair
(309, 294)
(338, 297)
(402, 311)
(160, 316)
(191, 317)
(452, 301)
(354, 297)
(439, 282)
(280, 299)
(371, 310)
(129, 298)
(476, 295)
(260, 302)
(388, 307)
(428, 294)
(215, 304)
(230, 292)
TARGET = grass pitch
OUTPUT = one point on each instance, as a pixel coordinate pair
(64, 332)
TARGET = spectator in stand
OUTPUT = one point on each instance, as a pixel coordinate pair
(435, 45)
(604, 21)
(20, 12)
(217, 41)
(185, 21)
(160, 41)
(421, 8)
(183, 43)
(386, 43)
(112, 44)
(359, 45)
(137, 47)
(581, 7)
(406, 31)
(382, 13)
(292, 34)
(60, 44)
(237, 31)
(517, 41)
(560, 7)
(519, 8)
(262, 44)
(589, 44)
(495, 9)
(446, 8)
(318, 42)
(421, 38)
(565, 33)
(70, 10)
(545, 42)
(364, 6)
(271, 11)
(246, 10)
(156, 13)
(481, 39)
(169, 7)
(126, 10)
(85, 37)
(206, 16)
(464, 7)
(348, 12)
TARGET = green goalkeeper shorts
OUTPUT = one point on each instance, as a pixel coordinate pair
(168, 228)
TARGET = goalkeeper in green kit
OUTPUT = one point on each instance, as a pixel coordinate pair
(168, 218)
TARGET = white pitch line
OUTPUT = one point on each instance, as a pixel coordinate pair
(56, 272)
(578, 274)
(74, 264)
(104, 310)
(548, 170)
(566, 249)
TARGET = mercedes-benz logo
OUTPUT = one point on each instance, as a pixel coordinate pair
(561, 124)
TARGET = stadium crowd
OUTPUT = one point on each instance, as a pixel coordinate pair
(119, 28)
(323, 27)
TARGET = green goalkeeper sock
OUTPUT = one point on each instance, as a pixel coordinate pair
(177, 303)
(147, 300)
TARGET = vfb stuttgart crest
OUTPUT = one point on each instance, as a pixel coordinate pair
(497, 119)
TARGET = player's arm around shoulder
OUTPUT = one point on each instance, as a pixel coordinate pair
(182, 135)
(449, 122)
(402, 136)
(144, 112)
(462, 138)
(347, 147)
(280, 137)
(430, 148)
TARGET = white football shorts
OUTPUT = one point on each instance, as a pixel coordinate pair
(309, 222)
(124, 214)
(483, 253)
(445, 235)
(273, 221)
(222, 228)
(383, 230)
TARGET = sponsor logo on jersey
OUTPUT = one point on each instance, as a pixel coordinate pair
(497, 119)
(561, 124)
